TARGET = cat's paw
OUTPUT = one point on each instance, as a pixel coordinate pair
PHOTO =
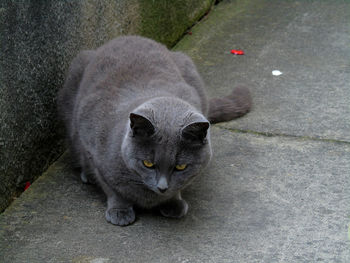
(120, 217)
(174, 208)
(84, 178)
(87, 179)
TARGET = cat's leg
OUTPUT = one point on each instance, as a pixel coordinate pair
(86, 177)
(175, 207)
(83, 177)
(84, 171)
(86, 174)
(119, 211)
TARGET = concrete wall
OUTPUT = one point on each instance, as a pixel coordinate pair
(38, 39)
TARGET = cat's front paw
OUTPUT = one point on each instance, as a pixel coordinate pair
(87, 179)
(174, 208)
(120, 217)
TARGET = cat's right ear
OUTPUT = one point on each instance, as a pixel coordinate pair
(140, 125)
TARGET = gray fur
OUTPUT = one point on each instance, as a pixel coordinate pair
(133, 100)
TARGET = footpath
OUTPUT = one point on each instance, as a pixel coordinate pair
(278, 187)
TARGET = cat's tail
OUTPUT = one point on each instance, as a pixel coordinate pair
(235, 105)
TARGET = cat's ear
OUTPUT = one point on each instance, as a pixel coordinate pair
(140, 125)
(196, 132)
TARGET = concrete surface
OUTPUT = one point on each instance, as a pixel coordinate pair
(263, 199)
(278, 187)
(306, 40)
(38, 40)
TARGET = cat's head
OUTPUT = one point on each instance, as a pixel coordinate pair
(167, 144)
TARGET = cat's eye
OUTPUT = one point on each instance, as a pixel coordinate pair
(180, 167)
(148, 164)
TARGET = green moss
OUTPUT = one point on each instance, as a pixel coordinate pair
(167, 20)
(214, 26)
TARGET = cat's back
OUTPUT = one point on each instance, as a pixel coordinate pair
(130, 61)
(121, 75)
(129, 70)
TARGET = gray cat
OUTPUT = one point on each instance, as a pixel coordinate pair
(137, 119)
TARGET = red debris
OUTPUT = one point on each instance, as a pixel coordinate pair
(27, 186)
(189, 32)
(237, 52)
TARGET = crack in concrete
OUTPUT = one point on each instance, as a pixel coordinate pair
(271, 134)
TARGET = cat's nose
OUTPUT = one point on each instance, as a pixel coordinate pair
(162, 190)
(162, 184)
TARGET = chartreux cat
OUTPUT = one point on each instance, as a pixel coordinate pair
(138, 121)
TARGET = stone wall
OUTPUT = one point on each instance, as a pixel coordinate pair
(37, 42)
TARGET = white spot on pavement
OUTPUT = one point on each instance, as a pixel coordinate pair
(276, 72)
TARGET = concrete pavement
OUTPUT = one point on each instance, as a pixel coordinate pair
(278, 187)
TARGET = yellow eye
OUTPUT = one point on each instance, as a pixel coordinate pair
(148, 164)
(180, 167)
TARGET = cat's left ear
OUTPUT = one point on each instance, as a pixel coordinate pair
(196, 132)
(140, 125)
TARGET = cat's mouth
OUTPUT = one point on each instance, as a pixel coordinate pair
(161, 192)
